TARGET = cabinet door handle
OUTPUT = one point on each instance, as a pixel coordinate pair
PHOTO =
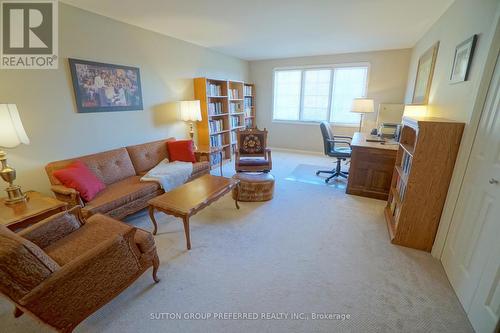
(493, 181)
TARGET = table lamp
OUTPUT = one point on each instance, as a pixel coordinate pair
(12, 134)
(190, 111)
(362, 106)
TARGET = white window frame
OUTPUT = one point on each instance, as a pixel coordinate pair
(301, 107)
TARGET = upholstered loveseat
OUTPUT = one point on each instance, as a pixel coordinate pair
(120, 170)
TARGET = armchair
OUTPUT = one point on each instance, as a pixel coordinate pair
(252, 155)
(340, 153)
(64, 268)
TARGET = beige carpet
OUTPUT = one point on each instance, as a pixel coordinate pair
(311, 249)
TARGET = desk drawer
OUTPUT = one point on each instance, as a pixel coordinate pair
(370, 173)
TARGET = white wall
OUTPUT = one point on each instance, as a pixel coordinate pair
(455, 101)
(387, 81)
(45, 98)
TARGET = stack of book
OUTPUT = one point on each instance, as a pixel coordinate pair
(214, 90)
(233, 93)
(216, 140)
(216, 125)
(247, 90)
(215, 108)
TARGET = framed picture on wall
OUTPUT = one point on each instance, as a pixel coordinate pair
(103, 87)
(463, 58)
(425, 70)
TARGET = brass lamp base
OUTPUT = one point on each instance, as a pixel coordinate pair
(15, 195)
(191, 134)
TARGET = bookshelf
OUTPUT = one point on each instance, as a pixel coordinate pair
(249, 104)
(424, 165)
(226, 107)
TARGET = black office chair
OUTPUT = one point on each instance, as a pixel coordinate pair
(341, 153)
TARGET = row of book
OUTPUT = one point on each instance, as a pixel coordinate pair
(401, 187)
(214, 158)
(214, 90)
(248, 102)
(234, 107)
(233, 93)
(216, 125)
(395, 208)
(216, 140)
(234, 137)
(249, 123)
(247, 90)
(235, 121)
(248, 112)
(215, 108)
(406, 163)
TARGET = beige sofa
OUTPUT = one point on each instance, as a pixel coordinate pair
(121, 169)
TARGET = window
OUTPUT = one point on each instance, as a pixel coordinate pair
(287, 87)
(319, 94)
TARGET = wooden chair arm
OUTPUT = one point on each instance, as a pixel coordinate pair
(202, 156)
(66, 194)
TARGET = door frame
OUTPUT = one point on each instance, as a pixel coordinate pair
(450, 206)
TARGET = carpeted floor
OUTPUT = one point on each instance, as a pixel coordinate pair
(312, 249)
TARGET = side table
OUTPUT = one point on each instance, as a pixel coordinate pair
(23, 214)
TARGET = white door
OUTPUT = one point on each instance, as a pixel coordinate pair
(471, 255)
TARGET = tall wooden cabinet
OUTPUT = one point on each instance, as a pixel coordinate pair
(226, 107)
(424, 165)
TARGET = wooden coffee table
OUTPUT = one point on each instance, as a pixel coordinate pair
(190, 198)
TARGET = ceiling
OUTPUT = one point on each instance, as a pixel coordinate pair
(264, 29)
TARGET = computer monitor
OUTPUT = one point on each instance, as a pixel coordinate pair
(390, 113)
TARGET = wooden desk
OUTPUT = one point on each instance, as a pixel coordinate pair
(372, 164)
(24, 214)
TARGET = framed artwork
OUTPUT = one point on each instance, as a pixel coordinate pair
(425, 70)
(103, 87)
(463, 58)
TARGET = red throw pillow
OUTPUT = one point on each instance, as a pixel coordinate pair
(78, 176)
(181, 150)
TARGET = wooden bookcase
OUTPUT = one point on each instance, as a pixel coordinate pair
(424, 165)
(226, 107)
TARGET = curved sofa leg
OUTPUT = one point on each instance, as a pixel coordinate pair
(156, 264)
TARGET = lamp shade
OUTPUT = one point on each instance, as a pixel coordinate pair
(414, 110)
(362, 105)
(190, 110)
(12, 132)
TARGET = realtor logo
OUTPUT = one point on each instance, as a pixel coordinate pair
(28, 34)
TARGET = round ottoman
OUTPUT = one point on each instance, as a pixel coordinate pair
(254, 187)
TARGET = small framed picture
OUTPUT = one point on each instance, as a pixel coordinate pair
(463, 59)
